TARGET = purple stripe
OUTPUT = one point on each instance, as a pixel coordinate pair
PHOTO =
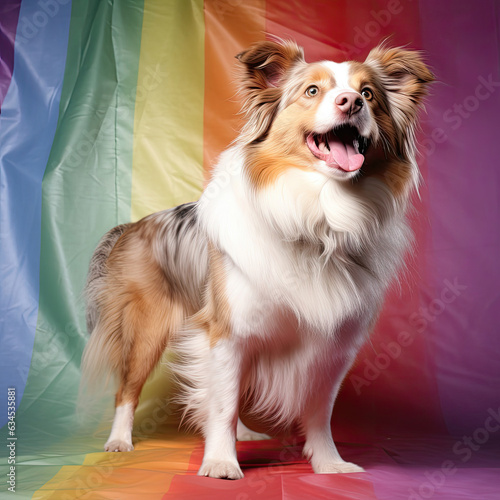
(9, 14)
(464, 178)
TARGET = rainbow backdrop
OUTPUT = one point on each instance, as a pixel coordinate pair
(111, 110)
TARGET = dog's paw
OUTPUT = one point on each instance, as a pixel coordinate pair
(222, 469)
(336, 468)
(118, 445)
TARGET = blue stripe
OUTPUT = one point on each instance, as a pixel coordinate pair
(27, 126)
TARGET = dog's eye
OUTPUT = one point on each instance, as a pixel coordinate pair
(312, 91)
(367, 93)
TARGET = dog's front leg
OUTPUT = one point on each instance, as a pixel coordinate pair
(319, 447)
(220, 427)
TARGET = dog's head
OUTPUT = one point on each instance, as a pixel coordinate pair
(347, 120)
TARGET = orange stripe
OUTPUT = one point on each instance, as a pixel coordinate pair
(230, 26)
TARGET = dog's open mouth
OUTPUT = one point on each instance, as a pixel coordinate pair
(342, 147)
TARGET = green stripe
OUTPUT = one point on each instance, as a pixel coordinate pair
(86, 190)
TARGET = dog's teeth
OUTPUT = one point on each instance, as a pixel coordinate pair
(316, 141)
(327, 143)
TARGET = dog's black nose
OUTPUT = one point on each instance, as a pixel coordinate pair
(349, 102)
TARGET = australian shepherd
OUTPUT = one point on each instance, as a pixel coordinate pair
(267, 287)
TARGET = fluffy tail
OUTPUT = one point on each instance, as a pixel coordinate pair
(97, 273)
(98, 356)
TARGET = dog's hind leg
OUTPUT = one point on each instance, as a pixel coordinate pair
(147, 325)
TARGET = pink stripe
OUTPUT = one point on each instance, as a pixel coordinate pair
(463, 180)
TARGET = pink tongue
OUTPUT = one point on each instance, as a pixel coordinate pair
(343, 155)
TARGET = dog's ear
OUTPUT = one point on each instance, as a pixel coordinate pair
(266, 63)
(404, 76)
(264, 68)
(405, 79)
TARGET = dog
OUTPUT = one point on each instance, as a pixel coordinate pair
(267, 287)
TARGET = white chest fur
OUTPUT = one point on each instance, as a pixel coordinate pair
(324, 251)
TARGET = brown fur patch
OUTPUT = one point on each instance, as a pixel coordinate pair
(274, 158)
(319, 75)
(215, 317)
(361, 75)
(395, 173)
(149, 322)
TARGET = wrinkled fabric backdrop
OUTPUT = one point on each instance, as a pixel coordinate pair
(113, 110)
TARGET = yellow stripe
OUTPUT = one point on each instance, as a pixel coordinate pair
(168, 128)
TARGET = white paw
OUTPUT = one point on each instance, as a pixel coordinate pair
(336, 468)
(118, 445)
(222, 469)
